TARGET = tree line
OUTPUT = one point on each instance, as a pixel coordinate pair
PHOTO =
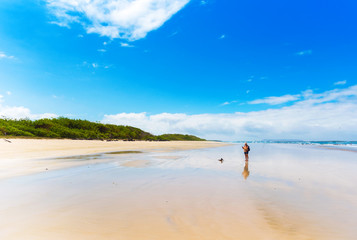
(81, 129)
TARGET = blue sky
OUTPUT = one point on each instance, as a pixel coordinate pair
(219, 69)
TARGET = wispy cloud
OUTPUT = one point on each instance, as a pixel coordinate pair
(90, 65)
(126, 45)
(222, 36)
(323, 116)
(8, 92)
(305, 52)
(173, 34)
(126, 19)
(227, 103)
(102, 50)
(276, 100)
(343, 82)
(61, 24)
(203, 2)
(5, 56)
(251, 78)
(93, 65)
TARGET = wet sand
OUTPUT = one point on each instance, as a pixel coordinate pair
(26, 156)
(284, 192)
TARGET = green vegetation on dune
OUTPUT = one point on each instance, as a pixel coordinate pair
(178, 137)
(80, 129)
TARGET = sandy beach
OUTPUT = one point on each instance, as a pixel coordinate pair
(172, 191)
(25, 156)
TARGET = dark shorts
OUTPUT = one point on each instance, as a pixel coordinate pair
(246, 153)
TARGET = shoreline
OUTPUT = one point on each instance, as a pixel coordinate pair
(29, 156)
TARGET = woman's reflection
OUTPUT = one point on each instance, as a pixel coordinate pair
(245, 172)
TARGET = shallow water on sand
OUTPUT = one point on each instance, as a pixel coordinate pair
(284, 191)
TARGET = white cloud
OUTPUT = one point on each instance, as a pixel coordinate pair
(222, 36)
(276, 100)
(126, 19)
(61, 24)
(330, 115)
(126, 45)
(203, 2)
(227, 103)
(16, 112)
(21, 113)
(305, 52)
(343, 82)
(307, 93)
(102, 50)
(90, 65)
(250, 79)
(4, 56)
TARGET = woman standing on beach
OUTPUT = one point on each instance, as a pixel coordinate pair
(246, 150)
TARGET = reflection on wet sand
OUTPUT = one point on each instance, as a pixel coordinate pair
(187, 195)
(136, 163)
(124, 152)
(245, 172)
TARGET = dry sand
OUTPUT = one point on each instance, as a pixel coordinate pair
(49, 148)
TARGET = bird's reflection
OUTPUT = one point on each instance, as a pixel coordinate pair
(245, 172)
